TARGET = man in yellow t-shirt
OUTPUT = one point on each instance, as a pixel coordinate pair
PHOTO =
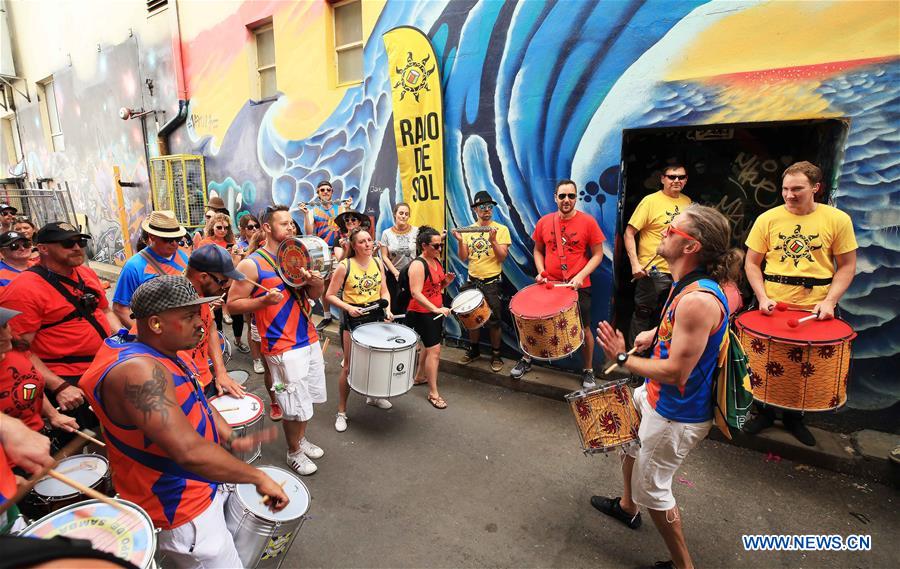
(803, 254)
(485, 251)
(647, 223)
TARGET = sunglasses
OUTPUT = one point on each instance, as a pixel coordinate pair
(8, 212)
(437, 245)
(567, 196)
(485, 206)
(252, 226)
(170, 239)
(672, 229)
(221, 282)
(19, 245)
(326, 189)
(219, 227)
(674, 177)
(71, 243)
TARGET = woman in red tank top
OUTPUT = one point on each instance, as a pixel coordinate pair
(426, 311)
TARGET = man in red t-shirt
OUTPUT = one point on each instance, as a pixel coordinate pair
(65, 315)
(568, 257)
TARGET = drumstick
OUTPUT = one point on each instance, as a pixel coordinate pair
(438, 316)
(229, 409)
(644, 268)
(254, 283)
(794, 322)
(781, 306)
(612, 367)
(89, 437)
(25, 488)
(266, 498)
(551, 286)
(325, 345)
(86, 490)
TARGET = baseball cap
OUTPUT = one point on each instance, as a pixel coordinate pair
(7, 314)
(165, 293)
(56, 231)
(213, 259)
(11, 237)
(4, 206)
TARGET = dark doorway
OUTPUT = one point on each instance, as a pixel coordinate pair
(735, 168)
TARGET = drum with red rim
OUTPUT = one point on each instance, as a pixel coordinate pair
(548, 321)
(802, 368)
(296, 253)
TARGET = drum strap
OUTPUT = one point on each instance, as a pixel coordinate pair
(686, 280)
(560, 247)
(299, 294)
(153, 262)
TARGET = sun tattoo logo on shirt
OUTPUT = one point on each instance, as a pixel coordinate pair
(797, 246)
(569, 240)
(670, 215)
(479, 247)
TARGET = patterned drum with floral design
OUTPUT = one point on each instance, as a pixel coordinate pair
(472, 309)
(605, 417)
(547, 321)
(804, 368)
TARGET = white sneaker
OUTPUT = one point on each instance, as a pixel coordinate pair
(301, 463)
(258, 366)
(379, 402)
(311, 450)
(340, 422)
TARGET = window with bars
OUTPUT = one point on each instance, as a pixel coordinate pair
(348, 41)
(50, 114)
(266, 83)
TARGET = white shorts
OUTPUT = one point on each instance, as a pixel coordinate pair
(254, 331)
(203, 541)
(664, 446)
(298, 380)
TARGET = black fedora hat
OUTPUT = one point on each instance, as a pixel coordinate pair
(482, 197)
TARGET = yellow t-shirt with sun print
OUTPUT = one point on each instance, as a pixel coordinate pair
(362, 286)
(483, 264)
(801, 246)
(652, 216)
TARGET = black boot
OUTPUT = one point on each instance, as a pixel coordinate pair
(793, 423)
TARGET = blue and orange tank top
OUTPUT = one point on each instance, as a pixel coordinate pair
(7, 273)
(141, 471)
(692, 403)
(324, 225)
(362, 286)
(284, 326)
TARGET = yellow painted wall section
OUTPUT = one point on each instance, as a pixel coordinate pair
(788, 34)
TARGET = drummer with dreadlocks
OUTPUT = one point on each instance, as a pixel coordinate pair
(289, 341)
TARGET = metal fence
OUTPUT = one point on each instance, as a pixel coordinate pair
(39, 203)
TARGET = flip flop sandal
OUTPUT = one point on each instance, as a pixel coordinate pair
(437, 402)
(423, 382)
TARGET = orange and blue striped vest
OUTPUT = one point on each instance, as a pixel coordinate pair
(284, 326)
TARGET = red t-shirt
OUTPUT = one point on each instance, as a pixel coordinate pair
(21, 389)
(431, 288)
(213, 241)
(41, 304)
(579, 234)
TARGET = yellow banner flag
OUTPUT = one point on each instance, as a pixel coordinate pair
(418, 123)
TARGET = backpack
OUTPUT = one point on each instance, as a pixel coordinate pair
(731, 386)
(404, 296)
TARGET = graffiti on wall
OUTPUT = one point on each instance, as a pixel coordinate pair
(526, 105)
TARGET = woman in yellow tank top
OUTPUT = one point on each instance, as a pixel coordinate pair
(356, 287)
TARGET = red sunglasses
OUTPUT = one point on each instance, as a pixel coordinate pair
(676, 231)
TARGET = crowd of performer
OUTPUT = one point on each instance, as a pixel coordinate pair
(143, 367)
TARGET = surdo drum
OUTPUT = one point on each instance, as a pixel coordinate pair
(605, 416)
(263, 537)
(129, 536)
(245, 417)
(471, 308)
(382, 359)
(547, 321)
(49, 495)
(802, 368)
(309, 253)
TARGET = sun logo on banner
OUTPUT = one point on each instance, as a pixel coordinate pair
(797, 246)
(414, 76)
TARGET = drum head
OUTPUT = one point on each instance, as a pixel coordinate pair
(467, 301)
(85, 468)
(384, 336)
(537, 301)
(292, 257)
(293, 487)
(776, 326)
(238, 412)
(129, 536)
(239, 376)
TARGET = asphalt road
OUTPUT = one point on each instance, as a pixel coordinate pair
(498, 480)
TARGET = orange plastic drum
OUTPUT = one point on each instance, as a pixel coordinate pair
(605, 417)
(547, 321)
(804, 368)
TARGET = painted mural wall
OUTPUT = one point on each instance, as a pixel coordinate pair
(539, 91)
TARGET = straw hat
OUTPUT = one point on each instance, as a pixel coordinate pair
(163, 224)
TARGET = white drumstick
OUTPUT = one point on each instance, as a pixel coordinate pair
(612, 367)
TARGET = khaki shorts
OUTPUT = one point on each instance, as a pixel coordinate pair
(664, 446)
(298, 380)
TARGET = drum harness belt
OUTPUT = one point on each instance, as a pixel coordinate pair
(153, 262)
(806, 282)
(491, 280)
(560, 247)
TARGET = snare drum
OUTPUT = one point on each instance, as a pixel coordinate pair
(382, 359)
(801, 369)
(605, 417)
(129, 536)
(261, 536)
(471, 308)
(245, 417)
(547, 321)
(49, 495)
(310, 253)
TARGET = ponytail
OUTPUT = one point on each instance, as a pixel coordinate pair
(713, 230)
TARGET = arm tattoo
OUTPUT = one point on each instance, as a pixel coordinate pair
(150, 395)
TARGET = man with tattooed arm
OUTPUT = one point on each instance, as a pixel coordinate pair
(166, 444)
